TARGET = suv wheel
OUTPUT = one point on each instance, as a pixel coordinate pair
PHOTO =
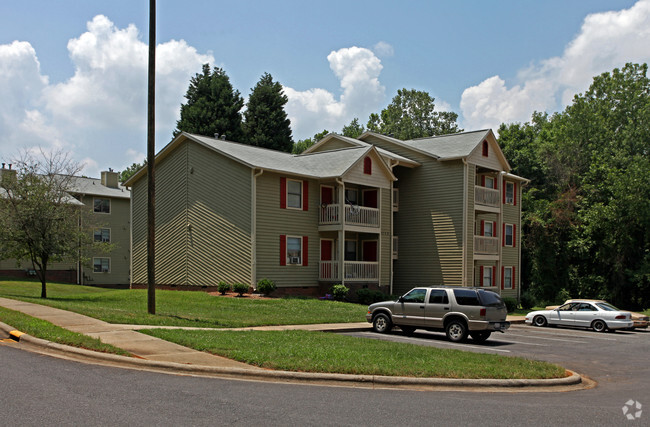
(456, 331)
(381, 323)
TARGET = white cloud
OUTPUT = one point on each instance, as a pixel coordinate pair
(313, 110)
(384, 49)
(100, 112)
(606, 40)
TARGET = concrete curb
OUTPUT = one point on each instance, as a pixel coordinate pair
(368, 381)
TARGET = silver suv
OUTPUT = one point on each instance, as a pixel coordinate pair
(457, 311)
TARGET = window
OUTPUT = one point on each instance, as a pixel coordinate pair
(507, 278)
(351, 196)
(487, 275)
(350, 250)
(508, 235)
(294, 250)
(416, 295)
(395, 199)
(294, 194)
(438, 296)
(488, 182)
(367, 166)
(101, 265)
(395, 246)
(488, 228)
(510, 196)
(485, 148)
(466, 297)
(102, 205)
(103, 235)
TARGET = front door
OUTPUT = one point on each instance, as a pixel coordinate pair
(370, 198)
(326, 195)
(370, 250)
(327, 269)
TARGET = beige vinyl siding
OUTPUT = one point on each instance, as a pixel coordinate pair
(272, 221)
(378, 178)
(470, 224)
(118, 221)
(492, 161)
(510, 255)
(385, 245)
(219, 219)
(139, 231)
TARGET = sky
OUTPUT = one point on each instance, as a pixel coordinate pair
(73, 73)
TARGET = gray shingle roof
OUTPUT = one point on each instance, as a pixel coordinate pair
(94, 187)
(452, 146)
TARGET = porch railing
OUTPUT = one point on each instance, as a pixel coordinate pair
(486, 245)
(486, 196)
(354, 215)
(353, 271)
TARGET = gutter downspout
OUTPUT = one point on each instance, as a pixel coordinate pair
(392, 222)
(463, 277)
(341, 260)
(254, 176)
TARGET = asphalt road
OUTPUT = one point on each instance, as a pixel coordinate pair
(38, 390)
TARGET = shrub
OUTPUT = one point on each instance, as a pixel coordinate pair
(511, 304)
(266, 286)
(240, 288)
(528, 300)
(369, 296)
(562, 296)
(339, 292)
(223, 287)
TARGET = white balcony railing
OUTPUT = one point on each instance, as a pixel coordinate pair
(354, 215)
(354, 270)
(486, 196)
(486, 245)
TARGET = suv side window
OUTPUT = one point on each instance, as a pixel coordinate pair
(416, 295)
(466, 297)
(438, 296)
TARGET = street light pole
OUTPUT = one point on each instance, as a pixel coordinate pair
(151, 153)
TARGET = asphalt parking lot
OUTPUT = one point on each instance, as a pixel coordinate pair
(618, 361)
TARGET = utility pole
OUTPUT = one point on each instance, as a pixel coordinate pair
(151, 153)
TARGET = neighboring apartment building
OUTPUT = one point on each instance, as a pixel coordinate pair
(369, 212)
(110, 203)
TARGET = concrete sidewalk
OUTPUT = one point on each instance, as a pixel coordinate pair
(159, 355)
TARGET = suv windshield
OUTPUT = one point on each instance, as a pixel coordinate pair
(490, 299)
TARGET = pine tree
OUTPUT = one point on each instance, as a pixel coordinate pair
(266, 123)
(212, 106)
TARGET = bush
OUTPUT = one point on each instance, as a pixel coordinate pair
(528, 300)
(511, 304)
(266, 286)
(369, 296)
(223, 287)
(562, 296)
(240, 288)
(339, 292)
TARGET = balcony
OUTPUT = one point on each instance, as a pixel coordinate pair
(361, 216)
(359, 271)
(486, 245)
(487, 197)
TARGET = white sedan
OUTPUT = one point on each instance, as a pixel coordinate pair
(600, 316)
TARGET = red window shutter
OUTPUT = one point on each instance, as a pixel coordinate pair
(480, 281)
(283, 249)
(503, 271)
(513, 277)
(305, 195)
(305, 251)
(367, 166)
(514, 195)
(482, 180)
(514, 235)
(503, 235)
(482, 228)
(283, 193)
(494, 229)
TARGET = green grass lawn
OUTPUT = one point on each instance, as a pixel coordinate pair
(182, 308)
(326, 352)
(42, 329)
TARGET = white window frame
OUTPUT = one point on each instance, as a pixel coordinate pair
(505, 236)
(356, 249)
(395, 247)
(300, 183)
(485, 229)
(395, 199)
(510, 200)
(507, 276)
(100, 212)
(101, 266)
(101, 240)
(490, 179)
(299, 263)
(488, 280)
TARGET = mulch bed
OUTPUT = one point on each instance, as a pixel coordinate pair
(236, 295)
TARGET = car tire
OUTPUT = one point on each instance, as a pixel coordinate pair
(540, 321)
(381, 323)
(456, 331)
(599, 326)
(480, 337)
(407, 330)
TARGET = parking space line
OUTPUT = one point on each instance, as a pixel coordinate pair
(551, 339)
(558, 332)
(521, 342)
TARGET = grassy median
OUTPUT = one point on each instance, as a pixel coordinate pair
(327, 352)
(43, 329)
